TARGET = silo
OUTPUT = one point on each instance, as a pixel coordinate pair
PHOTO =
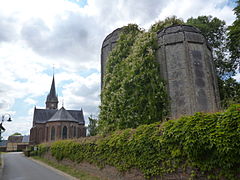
(187, 66)
(107, 46)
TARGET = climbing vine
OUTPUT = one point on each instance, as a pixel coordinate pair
(133, 92)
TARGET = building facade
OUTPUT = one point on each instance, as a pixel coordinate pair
(53, 124)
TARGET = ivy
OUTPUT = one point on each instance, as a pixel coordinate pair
(133, 92)
(207, 143)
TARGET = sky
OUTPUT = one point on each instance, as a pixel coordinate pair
(36, 35)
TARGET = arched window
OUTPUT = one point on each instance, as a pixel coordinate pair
(53, 133)
(64, 132)
(74, 131)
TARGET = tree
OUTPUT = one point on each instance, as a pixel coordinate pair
(16, 134)
(229, 91)
(169, 21)
(92, 126)
(234, 38)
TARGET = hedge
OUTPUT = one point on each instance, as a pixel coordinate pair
(207, 143)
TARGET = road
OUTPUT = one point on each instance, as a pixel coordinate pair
(19, 167)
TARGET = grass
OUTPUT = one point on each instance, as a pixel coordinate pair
(67, 169)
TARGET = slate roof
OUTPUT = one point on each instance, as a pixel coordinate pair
(62, 115)
(44, 115)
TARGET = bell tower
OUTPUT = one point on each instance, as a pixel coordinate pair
(52, 99)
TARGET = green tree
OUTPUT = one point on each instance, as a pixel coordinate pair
(229, 91)
(234, 37)
(169, 21)
(92, 126)
(16, 134)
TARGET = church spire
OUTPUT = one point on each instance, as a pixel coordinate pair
(52, 93)
(52, 99)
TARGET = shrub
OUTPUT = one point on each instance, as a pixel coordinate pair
(208, 143)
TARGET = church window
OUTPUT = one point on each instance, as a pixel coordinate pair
(64, 132)
(53, 133)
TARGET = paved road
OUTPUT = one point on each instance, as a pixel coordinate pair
(18, 167)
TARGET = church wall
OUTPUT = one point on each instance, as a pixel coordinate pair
(80, 130)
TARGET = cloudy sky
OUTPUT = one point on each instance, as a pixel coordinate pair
(37, 34)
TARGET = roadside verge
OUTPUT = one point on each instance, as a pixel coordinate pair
(64, 170)
(53, 169)
(1, 164)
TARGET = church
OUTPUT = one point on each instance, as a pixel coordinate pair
(51, 124)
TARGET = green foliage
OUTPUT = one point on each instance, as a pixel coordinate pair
(208, 144)
(234, 37)
(133, 92)
(92, 126)
(41, 149)
(229, 91)
(38, 150)
(169, 21)
(16, 134)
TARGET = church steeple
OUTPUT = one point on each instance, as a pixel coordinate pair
(52, 99)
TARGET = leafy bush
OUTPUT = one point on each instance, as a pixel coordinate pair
(209, 144)
(38, 150)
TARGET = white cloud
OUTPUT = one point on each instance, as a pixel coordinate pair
(30, 101)
(237, 77)
(83, 93)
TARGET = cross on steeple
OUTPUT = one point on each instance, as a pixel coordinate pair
(52, 99)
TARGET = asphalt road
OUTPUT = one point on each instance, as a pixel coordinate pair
(19, 167)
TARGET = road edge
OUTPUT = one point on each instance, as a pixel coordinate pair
(53, 169)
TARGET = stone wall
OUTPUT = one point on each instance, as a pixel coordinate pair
(186, 65)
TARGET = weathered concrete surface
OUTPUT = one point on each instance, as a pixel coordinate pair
(186, 65)
(107, 46)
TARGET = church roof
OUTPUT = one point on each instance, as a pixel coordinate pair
(44, 115)
(62, 115)
(52, 96)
